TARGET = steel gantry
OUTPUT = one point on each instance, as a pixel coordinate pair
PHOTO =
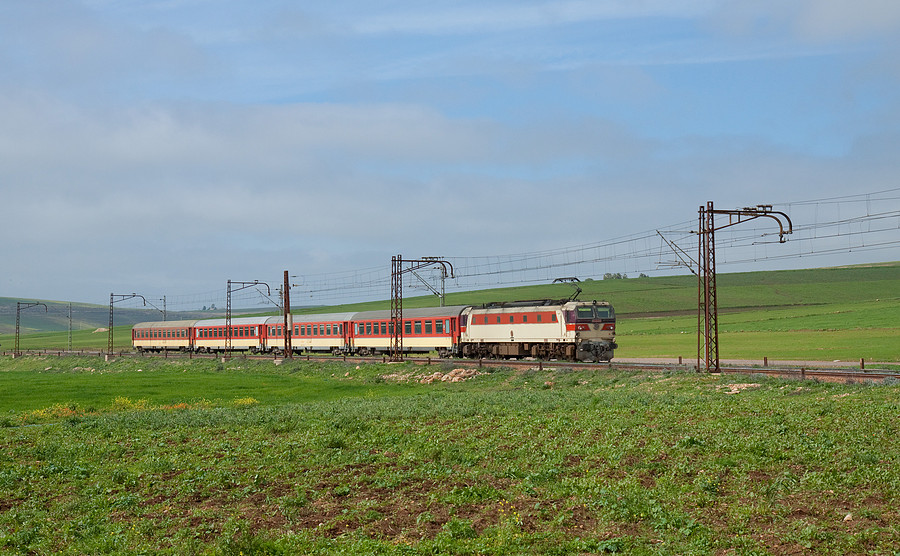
(19, 307)
(707, 305)
(115, 298)
(398, 268)
(243, 286)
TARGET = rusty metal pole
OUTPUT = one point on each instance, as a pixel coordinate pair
(707, 305)
(288, 321)
(700, 297)
(228, 319)
(396, 308)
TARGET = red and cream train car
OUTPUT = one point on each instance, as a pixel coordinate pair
(572, 330)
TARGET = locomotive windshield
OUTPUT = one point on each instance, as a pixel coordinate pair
(591, 312)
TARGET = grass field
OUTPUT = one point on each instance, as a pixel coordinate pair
(155, 456)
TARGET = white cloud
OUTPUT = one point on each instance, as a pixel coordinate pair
(811, 20)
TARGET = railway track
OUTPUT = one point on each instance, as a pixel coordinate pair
(811, 371)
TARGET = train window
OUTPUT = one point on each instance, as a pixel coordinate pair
(321, 330)
(340, 329)
(439, 326)
(512, 319)
(328, 330)
(391, 328)
(418, 327)
(428, 327)
(553, 317)
(447, 325)
(368, 329)
(384, 329)
(585, 312)
(407, 327)
(524, 318)
(498, 319)
(539, 317)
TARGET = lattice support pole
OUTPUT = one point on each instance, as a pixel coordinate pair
(396, 308)
(707, 302)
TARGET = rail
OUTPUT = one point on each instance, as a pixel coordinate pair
(822, 371)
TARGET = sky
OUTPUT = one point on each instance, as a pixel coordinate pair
(167, 146)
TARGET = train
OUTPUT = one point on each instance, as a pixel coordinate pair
(543, 329)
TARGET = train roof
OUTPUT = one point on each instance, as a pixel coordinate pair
(323, 317)
(424, 313)
(237, 321)
(166, 324)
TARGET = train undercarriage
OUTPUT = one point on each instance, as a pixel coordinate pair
(593, 351)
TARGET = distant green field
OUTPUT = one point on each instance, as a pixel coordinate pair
(820, 314)
(846, 332)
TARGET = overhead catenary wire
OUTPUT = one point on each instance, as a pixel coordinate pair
(853, 223)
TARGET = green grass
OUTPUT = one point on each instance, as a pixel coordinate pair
(91, 383)
(846, 332)
(313, 459)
